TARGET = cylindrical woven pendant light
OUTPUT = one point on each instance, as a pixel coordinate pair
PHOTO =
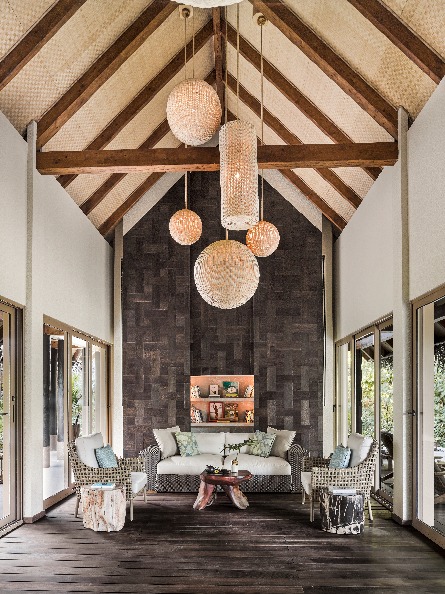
(226, 274)
(238, 175)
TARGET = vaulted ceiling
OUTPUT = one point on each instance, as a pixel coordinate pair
(96, 75)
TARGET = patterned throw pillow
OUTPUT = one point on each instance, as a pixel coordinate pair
(186, 443)
(340, 458)
(105, 457)
(263, 444)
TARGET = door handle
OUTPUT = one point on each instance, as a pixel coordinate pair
(3, 414)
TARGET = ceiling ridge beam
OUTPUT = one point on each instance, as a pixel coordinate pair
(330, 63)
(102, 69)
(156, 136)
(311, 156)
(218, 55)
(402, 37)
(289, 138)
(293, 94)
(33, 41)
(145, 95)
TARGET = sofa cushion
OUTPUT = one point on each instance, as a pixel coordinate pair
(186, 443)
(263, 444)
(340, 458)
(86, 448)
(210, 443)
(138, 481)
(192, 465)
(165, 438)
(232, 438)
(359, 446)
(273, 465)
(283, 441)
(105, 457)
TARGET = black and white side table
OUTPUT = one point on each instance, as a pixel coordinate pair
(342, 514)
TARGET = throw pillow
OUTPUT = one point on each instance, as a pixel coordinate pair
(340, 458)
(186, 443)
(360, 446)
(282, 442)
(105, 457)
(165, 438)
(263, 444)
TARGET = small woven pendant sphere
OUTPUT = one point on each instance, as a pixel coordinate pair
(226, 274)
(263, 239)
(193, 112)
(238, 175)
(185, 226)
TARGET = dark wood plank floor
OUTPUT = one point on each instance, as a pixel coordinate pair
(270, 547)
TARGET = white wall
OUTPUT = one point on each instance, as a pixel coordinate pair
(363, 261)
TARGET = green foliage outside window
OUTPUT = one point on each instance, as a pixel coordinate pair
(386, 388)
(439, 395)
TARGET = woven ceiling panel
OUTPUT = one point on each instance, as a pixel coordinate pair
(16, 18)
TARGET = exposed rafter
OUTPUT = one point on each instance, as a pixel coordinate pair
(35, 39)
(402, 37)
(330, 63)
(207, 158)
(146, 95)
(293, 94)
(289, 138)
(104, 67)
(218, 52)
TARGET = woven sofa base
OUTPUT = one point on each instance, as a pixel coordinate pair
(177, 483)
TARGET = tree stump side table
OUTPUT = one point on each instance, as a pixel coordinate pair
(342, 514)
(104, 509)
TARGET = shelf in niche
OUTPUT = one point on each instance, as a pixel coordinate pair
(214, 423)
(220, 399)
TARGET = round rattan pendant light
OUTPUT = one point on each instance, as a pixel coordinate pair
(193, 107)
(226, 274)
(185, 225)
(264, 238)
(238, 169)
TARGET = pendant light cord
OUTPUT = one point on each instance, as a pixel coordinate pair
(186, 190)
(262, 117)
(237, 61)
(185, 43)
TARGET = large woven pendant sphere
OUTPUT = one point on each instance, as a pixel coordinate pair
(226, 274)
(185, 226)
(263, 239)
(238, 175)
(193, 112)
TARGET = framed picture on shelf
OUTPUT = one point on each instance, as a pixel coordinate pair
(231, 412)
(249, 392)
(214, 390)
(216, 411)
(231, 389)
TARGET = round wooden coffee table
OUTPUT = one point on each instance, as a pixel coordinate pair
(230, 485)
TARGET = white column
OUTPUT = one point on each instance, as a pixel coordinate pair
(33, 356)
(116, 392)
(329, 368)
(403, 399)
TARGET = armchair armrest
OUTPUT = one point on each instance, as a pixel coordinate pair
(133, 464)
(316, 462)
(295, 456)
(151, 456)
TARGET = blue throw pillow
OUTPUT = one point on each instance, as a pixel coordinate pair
(105, 457)
(340, 457)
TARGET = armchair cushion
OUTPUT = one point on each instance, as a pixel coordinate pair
(306, 481)
(86, 448)
(165, 439)
(282, 443)
(138, 481)
(105, 457)
(359, 446)
(340, 457)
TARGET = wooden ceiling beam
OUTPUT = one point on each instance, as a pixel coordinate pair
(156, 136)
(289, 138)
(207, 158)
(293, 94)
(25, 50)
(144, 97)
(402, 37)
(330, 63)
(102, 69)
(218, 53)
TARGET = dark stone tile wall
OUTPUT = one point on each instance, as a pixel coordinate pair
(171, 333)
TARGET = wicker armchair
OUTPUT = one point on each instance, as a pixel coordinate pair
(360, 477)
(126, 473)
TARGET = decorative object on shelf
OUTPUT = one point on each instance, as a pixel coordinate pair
(185, 226)
(238, 166)
(226, 274)
(193, 107)
(196, 415)
(195, 391)
(231, 411)
(249, 417)
(216, 411)
(213, 390)
(263, 238)
(235, 466)
(231, 389)
(208, 3)
(249, 392)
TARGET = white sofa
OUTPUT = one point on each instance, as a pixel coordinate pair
(175, 473)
